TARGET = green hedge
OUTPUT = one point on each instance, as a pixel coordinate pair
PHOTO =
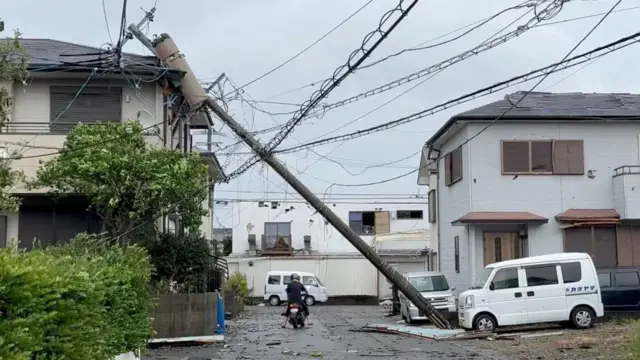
(81, 301)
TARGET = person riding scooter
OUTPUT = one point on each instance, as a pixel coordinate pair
(294, 296)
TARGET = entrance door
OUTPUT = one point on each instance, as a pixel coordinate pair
(500, 246)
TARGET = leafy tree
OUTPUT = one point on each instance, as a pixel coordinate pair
(227, 245)
(13, 65)
(126, 180)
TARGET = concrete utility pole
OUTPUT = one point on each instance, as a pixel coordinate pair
(168, 52)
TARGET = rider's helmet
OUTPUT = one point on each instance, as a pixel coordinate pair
(295, 277)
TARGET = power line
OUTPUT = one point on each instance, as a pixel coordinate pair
(416, 85)
(307, 48)
(333, 194)
(355, 59)
(513, 105)
(579, 18)
(541, 72)
(547, 13)
(106, 20)
(475, 26)
(302, 201)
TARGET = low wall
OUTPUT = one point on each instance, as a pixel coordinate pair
(183, 315)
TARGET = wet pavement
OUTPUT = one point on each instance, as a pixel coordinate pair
(259, 336)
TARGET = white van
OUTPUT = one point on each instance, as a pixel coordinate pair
(277, 281)
(550, 288)
(434, 287)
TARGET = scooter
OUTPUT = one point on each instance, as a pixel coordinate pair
(296, 316)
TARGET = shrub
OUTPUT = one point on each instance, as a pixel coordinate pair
(81, 301)
(181, 261)
(237, 283)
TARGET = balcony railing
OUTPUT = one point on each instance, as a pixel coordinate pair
(626, 169)
(276, 245)
(55, 128)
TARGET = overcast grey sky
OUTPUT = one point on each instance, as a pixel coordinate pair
(246, 38)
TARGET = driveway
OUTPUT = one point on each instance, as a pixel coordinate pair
(260, 336)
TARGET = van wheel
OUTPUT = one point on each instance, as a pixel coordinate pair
(408, 318)
(582, 317)
(274, 300)
(309, 300)
(485, 323)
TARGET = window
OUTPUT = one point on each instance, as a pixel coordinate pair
(497, 249)
(432, 206)
(91, 105)
(274, 280)
(409, 214)
(363, 222)
(552, 157)
(541, 275)
(453, 167)
(571, 272)
(627, 279)
(277, 235)
(309, 281)
(286, 280)
(429, 283)
(456, 256)
(505, 279)
(604, 279)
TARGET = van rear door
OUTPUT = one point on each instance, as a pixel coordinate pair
(273, 286)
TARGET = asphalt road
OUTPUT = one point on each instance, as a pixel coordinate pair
(259, 336)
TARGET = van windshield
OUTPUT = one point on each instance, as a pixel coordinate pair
(429, 283)
(482, 278)
(319, 282)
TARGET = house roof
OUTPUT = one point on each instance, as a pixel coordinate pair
(573, 215)
(56, 52)
(500, 217)
(47, 55)
(551, 106)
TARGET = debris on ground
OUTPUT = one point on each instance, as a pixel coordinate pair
(603, 341)
(422, 332)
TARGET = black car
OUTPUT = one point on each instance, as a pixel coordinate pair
(620, 288)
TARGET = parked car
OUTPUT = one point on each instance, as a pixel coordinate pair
(434, 287)
(620, 288)
(560, 287)
(277, 281)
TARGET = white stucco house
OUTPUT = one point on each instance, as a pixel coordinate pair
(560, 172)
(294, 237)
(69, 84)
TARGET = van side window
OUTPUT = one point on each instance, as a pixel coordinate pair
(571, 272)
(627, 279)
(286, 280)
(309, 281)
(274, 279)
(505, 279)
(542, 275)
(604, 279)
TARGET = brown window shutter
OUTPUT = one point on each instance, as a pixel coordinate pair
(456, 164)
(605, 246)
(568, 157)
(541, 156)
(515, 157)
(624, 246)
(447, 169)
(383, 222)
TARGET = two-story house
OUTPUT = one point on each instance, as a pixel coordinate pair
(69, 84)
(292, 236)
(559, 172)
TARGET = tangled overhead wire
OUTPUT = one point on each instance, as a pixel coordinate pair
(548, 13)
(355, 59)
(535, 74)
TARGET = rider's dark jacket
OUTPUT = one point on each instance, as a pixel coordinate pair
(294, 292)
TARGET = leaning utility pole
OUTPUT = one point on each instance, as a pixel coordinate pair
(167, 51)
